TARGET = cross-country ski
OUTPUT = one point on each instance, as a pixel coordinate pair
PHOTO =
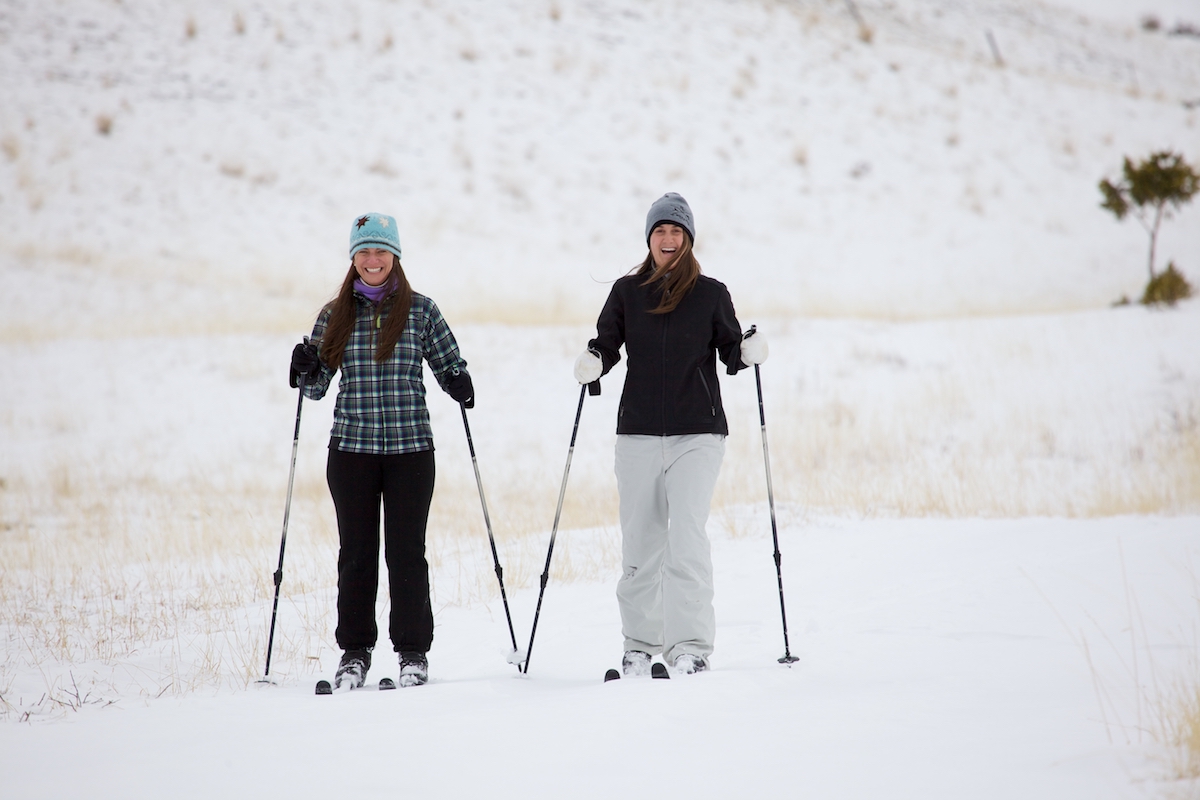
(325, 687)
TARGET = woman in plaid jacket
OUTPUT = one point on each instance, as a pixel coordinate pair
(377, 332)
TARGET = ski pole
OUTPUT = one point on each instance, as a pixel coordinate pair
(593, 388)
(787, 658)
(487, 521)
(287, 510)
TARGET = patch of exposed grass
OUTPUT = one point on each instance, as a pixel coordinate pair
(1179, 725)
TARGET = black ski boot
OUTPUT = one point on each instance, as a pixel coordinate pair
(352, 671)
(414, 668)
(635, 663)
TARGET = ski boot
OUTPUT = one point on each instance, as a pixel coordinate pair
(352, 671)
(414, 668)
(635, 663)
(689, 663)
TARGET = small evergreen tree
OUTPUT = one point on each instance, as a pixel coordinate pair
(1151, 189)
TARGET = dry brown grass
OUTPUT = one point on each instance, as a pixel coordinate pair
(840, 458)
(1178, 724)
(135, 582)
(166, 584)
(112, 582)
(1139, 698)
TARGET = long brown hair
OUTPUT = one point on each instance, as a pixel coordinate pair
(344, 308)
(675, 279)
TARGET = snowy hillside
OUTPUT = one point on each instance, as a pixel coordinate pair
(220, 147)
(987, 478)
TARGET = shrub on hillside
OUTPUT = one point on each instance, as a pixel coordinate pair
(1167, 288)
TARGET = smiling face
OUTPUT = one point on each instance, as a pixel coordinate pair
(665, 241)
(374, 265)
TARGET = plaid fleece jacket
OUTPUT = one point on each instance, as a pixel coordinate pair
(381, 407)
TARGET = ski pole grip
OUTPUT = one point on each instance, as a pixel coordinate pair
(594, 388)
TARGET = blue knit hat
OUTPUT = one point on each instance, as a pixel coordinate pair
(374, 230)
(671, 208)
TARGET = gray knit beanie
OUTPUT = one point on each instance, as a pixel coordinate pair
(672, 208)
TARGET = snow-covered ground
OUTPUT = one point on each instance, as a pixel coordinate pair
(938, 659)
(988, 480)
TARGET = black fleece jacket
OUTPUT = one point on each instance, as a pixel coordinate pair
(671, 379)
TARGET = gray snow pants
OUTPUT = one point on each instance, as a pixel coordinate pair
(666, 588)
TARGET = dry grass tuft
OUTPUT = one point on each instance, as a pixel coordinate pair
(1139, 701)
(1179, 725)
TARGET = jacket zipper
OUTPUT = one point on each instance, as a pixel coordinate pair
(712, 406)
(376, 331)
(666, 324)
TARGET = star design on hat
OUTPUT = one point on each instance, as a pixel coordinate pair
(383, 222)
(362, 221)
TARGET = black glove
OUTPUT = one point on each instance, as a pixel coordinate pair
(460, 388)
(304, 362)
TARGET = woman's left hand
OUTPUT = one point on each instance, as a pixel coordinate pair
(588, 367)
(461, 389)
(754, 348)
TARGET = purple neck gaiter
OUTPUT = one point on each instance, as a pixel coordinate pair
(374, 293)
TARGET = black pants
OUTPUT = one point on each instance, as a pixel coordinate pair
(357, 481)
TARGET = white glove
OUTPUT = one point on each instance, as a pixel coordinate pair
(588, 367)
(754, 349)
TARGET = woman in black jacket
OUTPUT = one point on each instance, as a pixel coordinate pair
(674, 323)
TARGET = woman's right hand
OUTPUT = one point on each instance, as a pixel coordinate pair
(305, 362)
(588, 367)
